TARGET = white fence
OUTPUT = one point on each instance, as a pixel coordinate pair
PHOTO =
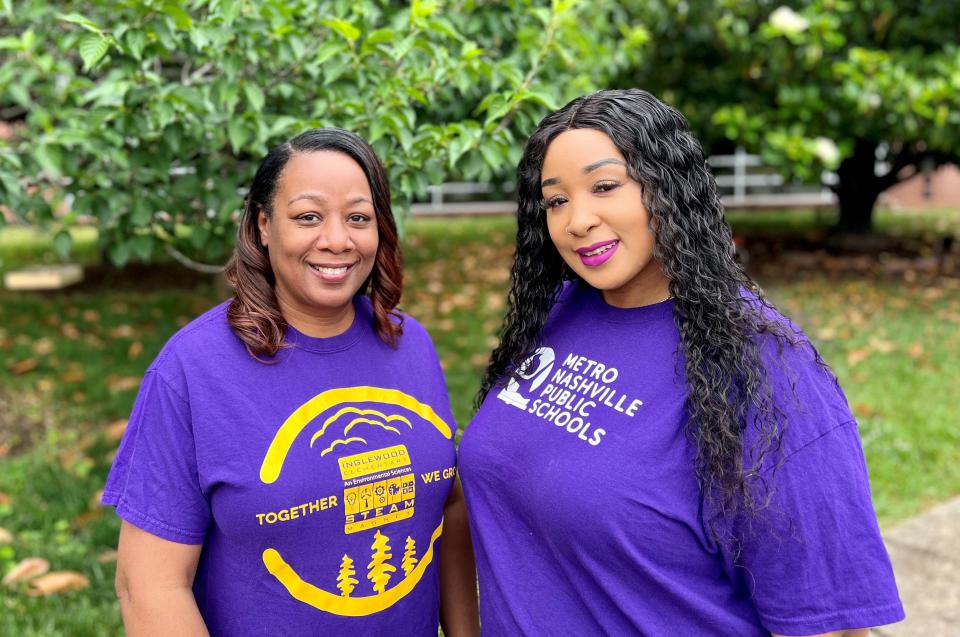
(743, 180)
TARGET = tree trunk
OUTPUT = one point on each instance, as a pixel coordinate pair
(858, 190)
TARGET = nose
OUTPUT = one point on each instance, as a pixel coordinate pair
(334, 236)
(582, 219)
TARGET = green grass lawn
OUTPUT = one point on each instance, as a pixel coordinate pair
(70, 362)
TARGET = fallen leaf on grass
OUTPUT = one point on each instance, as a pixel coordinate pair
(136, 348)
(827, 333)
(5, 498)
(857, 356)
(70, 331)
(915, 350)
(123, 331)
(73, 375)
(45, 385)
(480, 360)
(91, 316)
(22, 367)
(43, 346)
(107, 556)
(26, 570)
(882, 346)
(57, 582)
(115, 430)
(6, 537)
(122, 383)
(863, 410)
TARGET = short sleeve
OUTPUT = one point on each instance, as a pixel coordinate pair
(815, 561)
(154, 483)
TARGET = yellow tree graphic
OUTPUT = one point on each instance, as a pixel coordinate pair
(409, 556)
(379, 569)
(345, 580)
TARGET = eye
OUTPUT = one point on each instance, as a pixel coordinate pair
(358, 218)
(309, 217)
(554, 202)
(606, 186)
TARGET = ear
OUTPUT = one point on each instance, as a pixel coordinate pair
(263, 223)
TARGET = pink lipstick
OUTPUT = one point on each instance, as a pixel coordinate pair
(598, 253)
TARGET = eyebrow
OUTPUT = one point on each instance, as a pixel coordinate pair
(603, 162)
(318, 198)
(589, 168)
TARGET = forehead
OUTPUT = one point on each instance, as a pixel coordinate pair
(327, 172)
(577, 148)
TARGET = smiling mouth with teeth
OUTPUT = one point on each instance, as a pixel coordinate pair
(599, 250)
(331, 271)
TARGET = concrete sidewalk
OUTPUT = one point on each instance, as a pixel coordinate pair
(925, 551)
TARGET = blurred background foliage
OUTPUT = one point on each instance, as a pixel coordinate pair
(151, 116)
(826, 84)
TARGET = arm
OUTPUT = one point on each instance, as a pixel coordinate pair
(154, 584)
(458, 582)
(853, 632)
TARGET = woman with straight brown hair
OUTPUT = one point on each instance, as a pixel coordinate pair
(289, 463)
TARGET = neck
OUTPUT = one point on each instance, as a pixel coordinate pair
(332, 323)
(648, 291)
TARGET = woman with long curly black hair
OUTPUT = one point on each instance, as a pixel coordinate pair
(657, 451)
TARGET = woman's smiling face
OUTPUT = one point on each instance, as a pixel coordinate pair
(597, 220)
(322, 235)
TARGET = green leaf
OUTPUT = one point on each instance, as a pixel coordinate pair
(254, 96)
(237, 134)
(119, 254)
(349, 32)
(379, 36)
(79, 20)
(422, 8)
(62, 242)
(136, 41)
(142, 213)
(377, 130)
(328, 49)
(11, 185)
(92, 49)
(142, 246)
(180, 17)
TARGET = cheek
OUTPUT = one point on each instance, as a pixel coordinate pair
(555, 228)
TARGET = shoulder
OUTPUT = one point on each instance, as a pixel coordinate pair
(803, 387)
(570, 295)
(414, 335)
(209, 336)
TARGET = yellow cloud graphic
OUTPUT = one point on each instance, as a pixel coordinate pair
(358, 421)
(339, 442)
(359, 412)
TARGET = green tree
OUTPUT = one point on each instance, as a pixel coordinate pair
(826, 84)
(150, 115)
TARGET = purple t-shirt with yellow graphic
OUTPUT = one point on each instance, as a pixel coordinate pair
(315, 483)
(586, 513)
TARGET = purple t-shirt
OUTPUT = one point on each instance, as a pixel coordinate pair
(315, 483)
(586, 514)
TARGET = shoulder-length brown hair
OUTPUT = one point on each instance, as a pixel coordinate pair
(254, 313)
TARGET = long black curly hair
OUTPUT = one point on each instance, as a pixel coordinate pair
(718, 323)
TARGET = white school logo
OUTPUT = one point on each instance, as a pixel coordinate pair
(536, 369)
